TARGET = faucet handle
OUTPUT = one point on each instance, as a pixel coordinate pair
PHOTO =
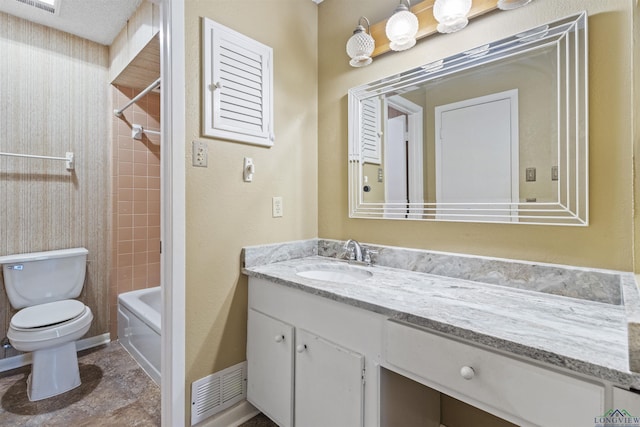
(366, 254)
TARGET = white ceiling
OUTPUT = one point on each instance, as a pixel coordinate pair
(96, 20)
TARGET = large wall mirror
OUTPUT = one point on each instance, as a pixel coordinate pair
(494, 134)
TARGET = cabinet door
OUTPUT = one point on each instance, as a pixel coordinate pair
(328, 384)
(270, 367)
(626, 400)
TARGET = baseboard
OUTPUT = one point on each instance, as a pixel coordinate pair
(232, 417)
(24, 359)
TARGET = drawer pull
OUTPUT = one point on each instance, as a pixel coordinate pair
(301, 348)
(467, 372)
(279, 338)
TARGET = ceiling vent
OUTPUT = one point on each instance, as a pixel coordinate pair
(45, 5)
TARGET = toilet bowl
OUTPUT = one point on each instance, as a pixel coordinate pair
(49, 321)
(50, 331)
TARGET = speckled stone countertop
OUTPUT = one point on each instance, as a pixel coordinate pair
(585, 336)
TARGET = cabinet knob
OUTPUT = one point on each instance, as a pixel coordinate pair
(467, 372)
(279, 338)
(301, 348)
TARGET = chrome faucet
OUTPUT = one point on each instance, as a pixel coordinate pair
(355, 252)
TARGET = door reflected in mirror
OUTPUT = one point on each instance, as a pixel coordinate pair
(495, 134)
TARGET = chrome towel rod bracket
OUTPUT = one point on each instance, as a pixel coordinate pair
(68, 158)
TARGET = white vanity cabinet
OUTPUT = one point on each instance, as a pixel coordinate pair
(313, 361)
(297, 377)
(507, 387)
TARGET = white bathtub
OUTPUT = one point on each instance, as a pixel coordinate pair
(139, 328)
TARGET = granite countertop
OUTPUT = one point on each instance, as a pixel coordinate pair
(583, 336)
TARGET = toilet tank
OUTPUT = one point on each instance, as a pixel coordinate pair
(40, 277)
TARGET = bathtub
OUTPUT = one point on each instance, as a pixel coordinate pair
(139, 328)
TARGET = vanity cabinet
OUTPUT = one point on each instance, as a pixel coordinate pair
(502, 385)
(313, 362)
(298, 378)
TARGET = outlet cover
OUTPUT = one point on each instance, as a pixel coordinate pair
(200, 154)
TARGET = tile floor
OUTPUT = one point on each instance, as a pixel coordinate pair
(259, 420)
(115, 391)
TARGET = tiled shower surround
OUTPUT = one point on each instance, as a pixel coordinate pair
(136, 198)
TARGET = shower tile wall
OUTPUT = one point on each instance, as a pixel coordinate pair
(136, 198)
(54, 98)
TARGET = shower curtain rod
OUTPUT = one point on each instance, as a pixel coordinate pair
(152, 86)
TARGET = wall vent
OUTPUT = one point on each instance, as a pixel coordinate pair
(47, 6)
(218, 391)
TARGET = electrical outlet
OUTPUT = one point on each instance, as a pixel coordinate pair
(200, 154)
(276, 207)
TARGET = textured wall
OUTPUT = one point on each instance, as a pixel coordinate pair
(606, 242)
(223, 212)
(54, 98)
(136, 199)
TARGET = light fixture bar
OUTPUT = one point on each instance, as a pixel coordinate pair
(427, 24)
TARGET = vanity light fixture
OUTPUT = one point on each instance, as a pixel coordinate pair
(512, 4)
(451, 15)
(401, 28)
(360, 46)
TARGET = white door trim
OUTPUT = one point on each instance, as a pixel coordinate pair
(173, 219)
(415, 149)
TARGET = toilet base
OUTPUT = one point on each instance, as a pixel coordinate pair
(54, 371)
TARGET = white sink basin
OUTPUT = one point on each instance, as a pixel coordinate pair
(343, 273)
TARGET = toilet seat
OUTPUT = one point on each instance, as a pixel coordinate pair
(45, 315)
(49, 333)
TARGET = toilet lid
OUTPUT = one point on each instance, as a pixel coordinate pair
(47, 314)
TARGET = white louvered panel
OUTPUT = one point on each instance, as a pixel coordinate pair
(232, 385)
(238, 86)
(217, 392)
(369, 133)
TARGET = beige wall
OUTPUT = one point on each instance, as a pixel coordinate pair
(135, 199)
(54, 98)
(223, 212)
(636, 130)
(607, 242)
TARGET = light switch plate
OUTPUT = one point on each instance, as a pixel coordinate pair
(531, 174)
(276, 207)
(248, 169)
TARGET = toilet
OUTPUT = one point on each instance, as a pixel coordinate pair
(42, 286)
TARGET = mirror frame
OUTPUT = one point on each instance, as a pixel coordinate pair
(572, 136)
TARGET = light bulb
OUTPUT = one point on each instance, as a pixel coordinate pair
(451, 14)
(401, 28)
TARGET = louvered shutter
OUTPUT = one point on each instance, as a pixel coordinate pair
(238, 86)
(370, 131)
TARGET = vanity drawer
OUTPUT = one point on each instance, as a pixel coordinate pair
(496, 383)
